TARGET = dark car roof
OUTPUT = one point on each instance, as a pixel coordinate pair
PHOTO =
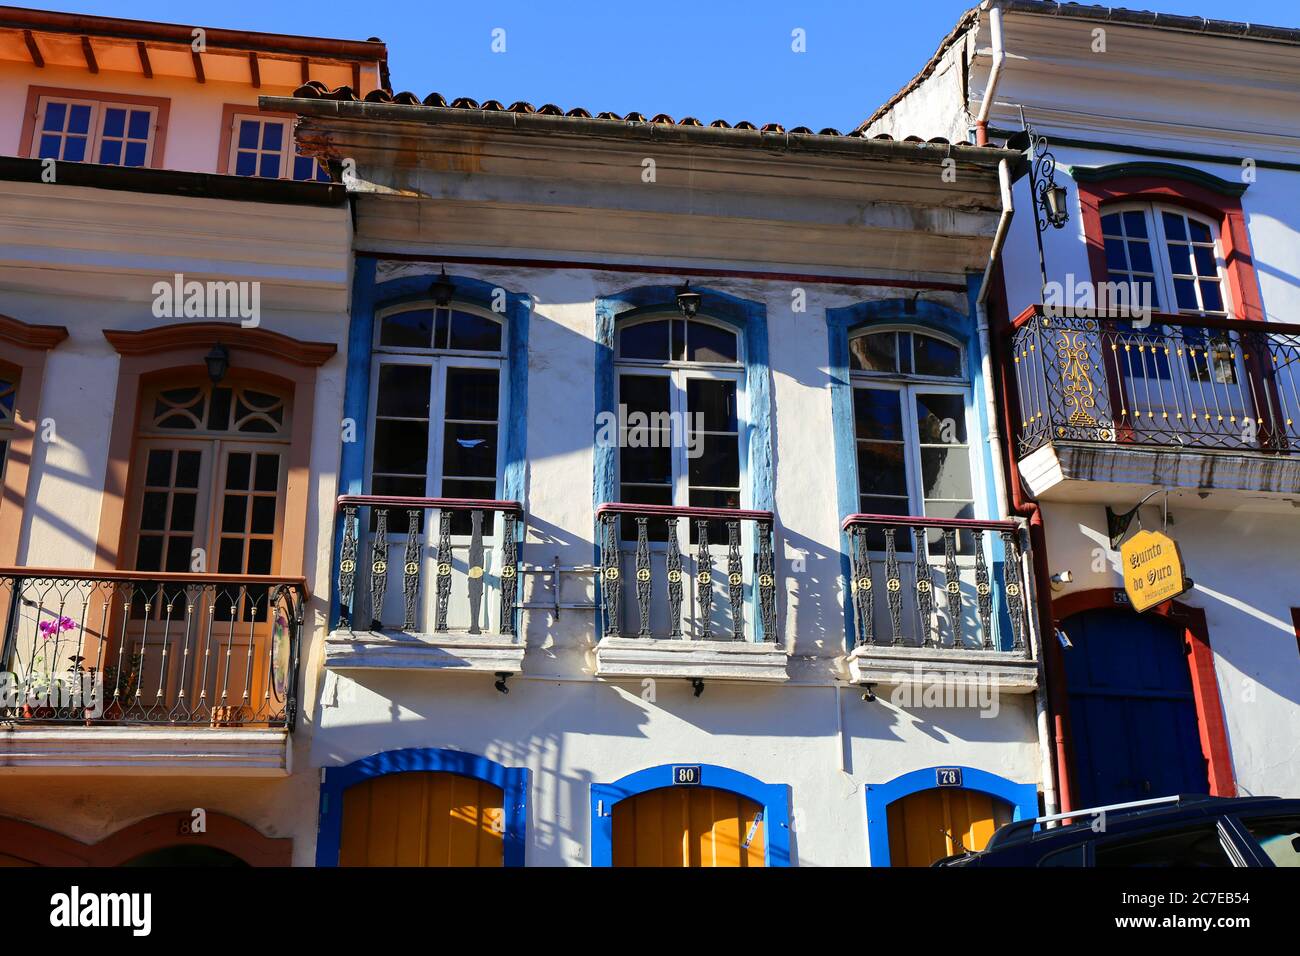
(1022, 839)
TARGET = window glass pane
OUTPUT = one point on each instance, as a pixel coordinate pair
(941, 419)
(645, 464)
(469, 451)
(248, 134)
(239, 469)
(709, 343)
(717, 462)
(934, 357)
(79, 119)
(263, 516)
(1205, 264)
(876, 352)
(272, 136)
(945, 472)
(1185, 290)
(1199, 231)
(1211, 296)
(399, 487)
(646, 340)
(49, 147)
(139, 128)
(1198, 847)
(877, 414)
(1279, 837)
(110, 152)
(114, 121)
(474, 333)
(158, 468)
(153, 511)
(188, 464)
(1135, 224)
(401, 447)
(1115, 258)
(881, 469)
(1180, 258)
(407, 330)
(1175, 228)
(266, 476)
(304, 168)
(403, 391)
(644, 393)
(245, 164)
(55, 115)
(715, 401)
(472, 394)
(134, 155)
(183, 511)
(1140, 256)
(269, 166)
(1110, 225)
(234, 511)
(74, 149)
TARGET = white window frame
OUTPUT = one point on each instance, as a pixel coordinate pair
(908, 385)
(288, 147)
(95, 128)
(439, 360)
(679, 373)
(1164, 274)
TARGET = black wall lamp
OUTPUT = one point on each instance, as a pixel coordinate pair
(688, 301)
(218, 363)
(442, 289)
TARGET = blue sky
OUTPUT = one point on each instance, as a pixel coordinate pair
(727, 59)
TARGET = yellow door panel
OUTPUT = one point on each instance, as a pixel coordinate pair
(422, 819)
(688, 826)
(930, 824)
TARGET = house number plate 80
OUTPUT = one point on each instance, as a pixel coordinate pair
(686, 776)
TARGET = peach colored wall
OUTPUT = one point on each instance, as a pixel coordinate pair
(194, 126)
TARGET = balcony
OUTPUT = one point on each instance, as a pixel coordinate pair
(1210, 404)
(706, 611)
(136, 672)
(454, 603)
(940, 600)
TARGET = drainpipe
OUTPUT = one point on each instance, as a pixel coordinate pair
(999, 481)
(999, 54)
(1053, 665)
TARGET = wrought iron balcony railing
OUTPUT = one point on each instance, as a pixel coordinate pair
(464, 580)
(1180, 381)
(152, 648)
(938, 583)
(671, 592)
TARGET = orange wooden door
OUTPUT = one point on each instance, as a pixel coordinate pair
(930, 824)
(422, 819)
(688, 826)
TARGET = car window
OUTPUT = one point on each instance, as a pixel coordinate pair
(1279, 837)
(1199, 846)
(1071, 856)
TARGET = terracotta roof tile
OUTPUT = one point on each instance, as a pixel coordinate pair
(317, 90)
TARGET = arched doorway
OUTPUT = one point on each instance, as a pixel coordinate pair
(1133, 712)
(689, 827)
(186, 855)
(928, 825)
(422, 818)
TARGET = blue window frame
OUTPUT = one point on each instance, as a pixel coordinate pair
(90, 130)
(513, 782)
(774, 798)
(264, 146)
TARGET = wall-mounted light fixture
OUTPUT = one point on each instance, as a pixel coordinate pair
(688, 301)
(442, 289)
(218, 363)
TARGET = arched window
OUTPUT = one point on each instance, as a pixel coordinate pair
(1175, 252)
(8, 391)
(438, 402)
(909, 417)
(680, 392)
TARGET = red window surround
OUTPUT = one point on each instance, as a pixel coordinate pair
(1224, 209)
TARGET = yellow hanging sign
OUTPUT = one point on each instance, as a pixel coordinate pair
(1153, 569)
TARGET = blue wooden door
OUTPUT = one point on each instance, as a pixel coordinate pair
(1132, 714)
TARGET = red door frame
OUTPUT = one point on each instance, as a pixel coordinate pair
(1200, 661)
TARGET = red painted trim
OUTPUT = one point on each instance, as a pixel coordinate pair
(974, 524)
(682, 271)
(672, 511)
(163, 339)
(161, 104)
(450, 504)
(1226, 211)
(1200, 663)
(43, 847)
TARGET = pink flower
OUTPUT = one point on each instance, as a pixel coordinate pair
(52, 627)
